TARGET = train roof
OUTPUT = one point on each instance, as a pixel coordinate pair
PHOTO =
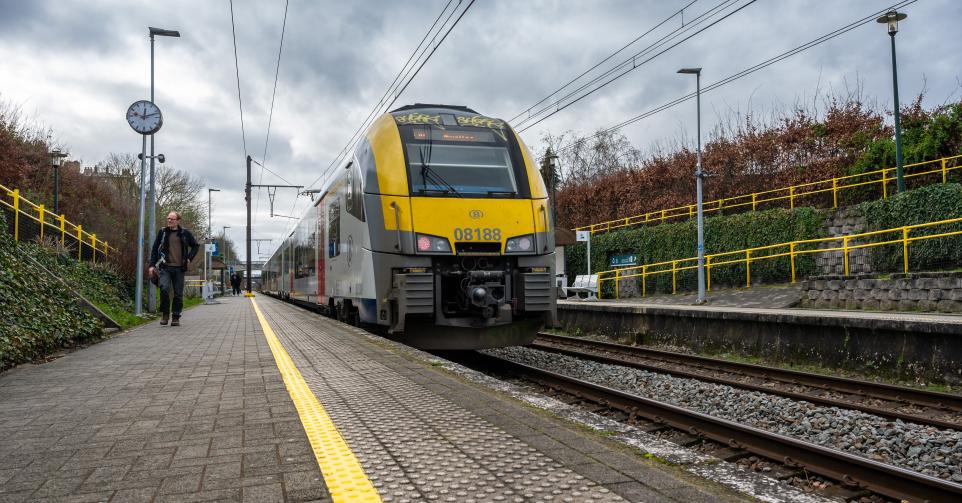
(427, 106)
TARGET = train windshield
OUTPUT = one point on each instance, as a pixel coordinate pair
(452, 160)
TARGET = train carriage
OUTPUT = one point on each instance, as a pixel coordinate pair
(436, 228)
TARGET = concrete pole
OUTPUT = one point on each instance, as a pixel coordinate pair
(139, 293)
(247, 197)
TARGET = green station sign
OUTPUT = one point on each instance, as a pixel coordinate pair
(623, 260)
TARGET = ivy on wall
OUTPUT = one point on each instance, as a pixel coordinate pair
(917, 206)
(39, 317)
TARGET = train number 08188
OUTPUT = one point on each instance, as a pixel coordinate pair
(477, 234)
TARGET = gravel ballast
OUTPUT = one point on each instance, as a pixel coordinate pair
(925, 449)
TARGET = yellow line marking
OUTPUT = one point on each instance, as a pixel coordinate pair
(345, 479)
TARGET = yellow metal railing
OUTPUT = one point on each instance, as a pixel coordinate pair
(786, 195)
(53, 225)
(895, 236)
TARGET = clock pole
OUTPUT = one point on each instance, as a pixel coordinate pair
(139, 293)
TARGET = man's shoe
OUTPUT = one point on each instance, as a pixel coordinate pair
(164, 319)
(175, 322)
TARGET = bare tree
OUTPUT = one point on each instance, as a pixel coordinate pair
(585, 158)
(182, 192)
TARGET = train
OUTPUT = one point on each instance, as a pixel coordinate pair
(436, 230)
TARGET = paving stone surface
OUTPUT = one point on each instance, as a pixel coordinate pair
(424, 435)
(201, 413)
(191, 413)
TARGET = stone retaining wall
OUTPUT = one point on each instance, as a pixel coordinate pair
(911, 348)
(926, 292)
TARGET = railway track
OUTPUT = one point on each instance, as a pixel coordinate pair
(852, 471)
(941, 410)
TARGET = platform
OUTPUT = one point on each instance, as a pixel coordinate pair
(273, 403)
(910, 346)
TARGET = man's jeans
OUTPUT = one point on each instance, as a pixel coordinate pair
(171, 278)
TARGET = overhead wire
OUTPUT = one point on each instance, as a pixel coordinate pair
(270, 116)
(634, 65)
(403, 75)
(402, 84)
(605, 60)
(742, 73)
(387, 91)
(456, 21)
(240, 102)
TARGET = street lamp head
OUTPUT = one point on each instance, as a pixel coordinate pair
(695, 71)
(892, 18)
(162, 32)
(212, 190)
(552, 159)
(57, 157)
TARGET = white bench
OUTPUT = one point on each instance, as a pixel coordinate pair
(586, 284)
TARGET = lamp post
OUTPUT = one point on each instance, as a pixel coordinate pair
(56, 161)
(152, 202)
(208, 240)
(223, 287)
(892, 18)
(698, 178)
(226, 249)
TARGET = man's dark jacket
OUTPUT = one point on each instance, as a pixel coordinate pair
(162, 245)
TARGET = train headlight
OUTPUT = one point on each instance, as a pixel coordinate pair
(520, 244)
(433, 244)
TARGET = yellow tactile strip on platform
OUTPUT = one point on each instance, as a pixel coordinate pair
(345, 479)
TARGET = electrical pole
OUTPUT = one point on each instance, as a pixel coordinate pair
(247, 197)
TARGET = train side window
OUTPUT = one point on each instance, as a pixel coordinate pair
(355, 198)
(350, 189)
(333, 229)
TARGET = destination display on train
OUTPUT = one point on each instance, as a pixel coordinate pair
(443, 135)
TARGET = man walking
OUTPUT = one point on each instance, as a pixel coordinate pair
(173, 249)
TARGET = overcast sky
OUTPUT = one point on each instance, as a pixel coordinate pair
(76, 66)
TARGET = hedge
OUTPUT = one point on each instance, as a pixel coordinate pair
(672, 241)
(917, 206)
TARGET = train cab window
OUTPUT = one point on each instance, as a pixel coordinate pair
(354, 199)
(333, 229)
(458, 160)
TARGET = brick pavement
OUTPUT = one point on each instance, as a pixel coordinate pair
(191, 413)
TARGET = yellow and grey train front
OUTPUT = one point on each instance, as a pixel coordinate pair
(461, 241)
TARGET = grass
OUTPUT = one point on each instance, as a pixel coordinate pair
(128, 320)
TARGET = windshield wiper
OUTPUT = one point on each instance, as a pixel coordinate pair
(429, 174)
(501, 192)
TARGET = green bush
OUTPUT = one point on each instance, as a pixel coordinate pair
(673, 241)
(38, 316)
(917, 206)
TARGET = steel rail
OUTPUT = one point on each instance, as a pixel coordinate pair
(944, 402)
(852, 470)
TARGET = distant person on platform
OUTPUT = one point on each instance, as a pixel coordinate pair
(173, 249)
(235, 283)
